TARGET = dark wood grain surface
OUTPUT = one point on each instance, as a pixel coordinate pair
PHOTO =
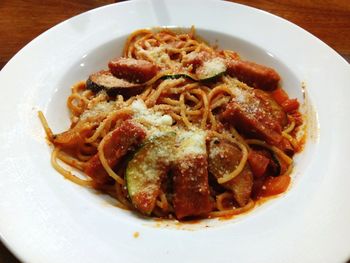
(23, 20)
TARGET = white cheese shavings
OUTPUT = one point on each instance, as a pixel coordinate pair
(213, 67)
(100, 109)
(128, 61)
(246, 99)
(158, 54)
(241, 96)
(191, 142)
(214, 150)
(191, 56)
(141, 113)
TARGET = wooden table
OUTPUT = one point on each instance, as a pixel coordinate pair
(23, 20)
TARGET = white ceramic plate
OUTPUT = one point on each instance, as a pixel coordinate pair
(44, 218)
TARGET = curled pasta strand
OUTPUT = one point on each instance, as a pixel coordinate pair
(67, 174)
(48, 131)
(105, 164)
(183, 111)
(228, 177)
(279, 153)
(235, 211)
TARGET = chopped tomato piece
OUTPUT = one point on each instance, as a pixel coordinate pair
(279, 95)
(290, 105)
(275, 185)
(258, 163)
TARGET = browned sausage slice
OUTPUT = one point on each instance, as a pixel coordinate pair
(134, 70)
(190, 176)
(273, 108)
(223, 158)
(256, 114)
(118, 143)
(250, 124)
(191, 187)
(255, 75)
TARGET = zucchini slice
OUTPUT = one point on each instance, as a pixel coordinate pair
(146, 170)
(211, 69)
(104, 80)
(178, 75)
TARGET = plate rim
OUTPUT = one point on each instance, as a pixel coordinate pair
(28, 46)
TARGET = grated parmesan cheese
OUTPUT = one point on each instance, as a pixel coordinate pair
(191, 56)
(100, 109)
(191, 142)
(246, 99)
(157, 54)
(213, 67)
(143, 114)
(128, 61)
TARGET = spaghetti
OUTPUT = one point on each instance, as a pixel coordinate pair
(176, 127)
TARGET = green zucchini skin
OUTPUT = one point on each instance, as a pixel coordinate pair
(178, 75)
(147, 168)
(212, 78)
(209, 71)
(201, 78)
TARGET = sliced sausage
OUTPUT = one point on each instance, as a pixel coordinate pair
(223, 159)
(250, 124)
(134, 70)
(271, 106)
(119, 142)
(255, 75)
(275, 185)
(191, 187)
(257, 115)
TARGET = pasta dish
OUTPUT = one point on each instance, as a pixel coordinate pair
(176, 128)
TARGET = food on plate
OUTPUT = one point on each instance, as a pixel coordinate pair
(176, 128)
